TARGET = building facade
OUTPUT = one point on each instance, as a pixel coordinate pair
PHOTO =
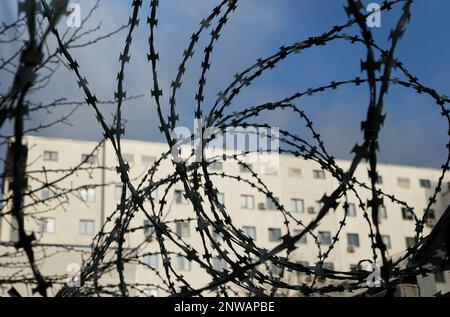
(77, 207)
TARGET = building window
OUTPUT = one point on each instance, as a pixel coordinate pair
(219, 264)
(221, 198)
(297, 205)
(216, 166)
(319, 174)
(250, 231)
(87, 227)
(325, 237)
(271, 204)
(431, 217)
(217, 236)
(382, 213)
(274, 234)
(51, 156)
(149, 229)
(380, 180)
(247, 202)
(151, 292)
(179, 198)
(295, 172)
(303, 239)
(88, 194)
(128, 158)
(118, 192)
(245, 168)
(328, 266)
(47, 225)
(305, 264)
(425, 183)
(183, 264)
(439, 277)
(88, 158)
(351, 210)
(403, 182)
(147, 159)
(47, 193)
(353, 239)
(407, 214)
(319, 205)
(275, 269)
(151, 260)
(387, 241)
(410, 242)
(183, 229)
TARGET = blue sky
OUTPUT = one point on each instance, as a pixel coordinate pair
(414, 133)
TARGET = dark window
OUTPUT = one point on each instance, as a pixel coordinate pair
(325, 237)
(353, 239)
(88, 158)
(217, 166)
(270, 204)
(274, 234)
(353, 267)
(245, 168)
(303, 239)
(50, 156)
(149, 229)
(183, 229)
(387, 241)
(351, 210)
(410, 242)
(382, 213)
(403, 182)
(407, 214)
(328, 266)
(380, 180)
(179, 198)
(250, 231)
(304, 264)
(319, 174)
(297, 205)
(247, 202)
(425, 183)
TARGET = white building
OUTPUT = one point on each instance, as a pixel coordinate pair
(92, 193)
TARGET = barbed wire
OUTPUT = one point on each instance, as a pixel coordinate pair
(245, 267)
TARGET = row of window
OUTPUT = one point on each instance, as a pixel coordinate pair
(182, 229)
(87, 194)
(298, 206)
(402, 182)
(439, 276)
(52, 156)
(48, 225)
(219, 264)
(182, 263)
(247, 202)
(320, 174)
(87, 227)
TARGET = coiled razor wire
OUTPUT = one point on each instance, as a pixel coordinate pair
(249, 267)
